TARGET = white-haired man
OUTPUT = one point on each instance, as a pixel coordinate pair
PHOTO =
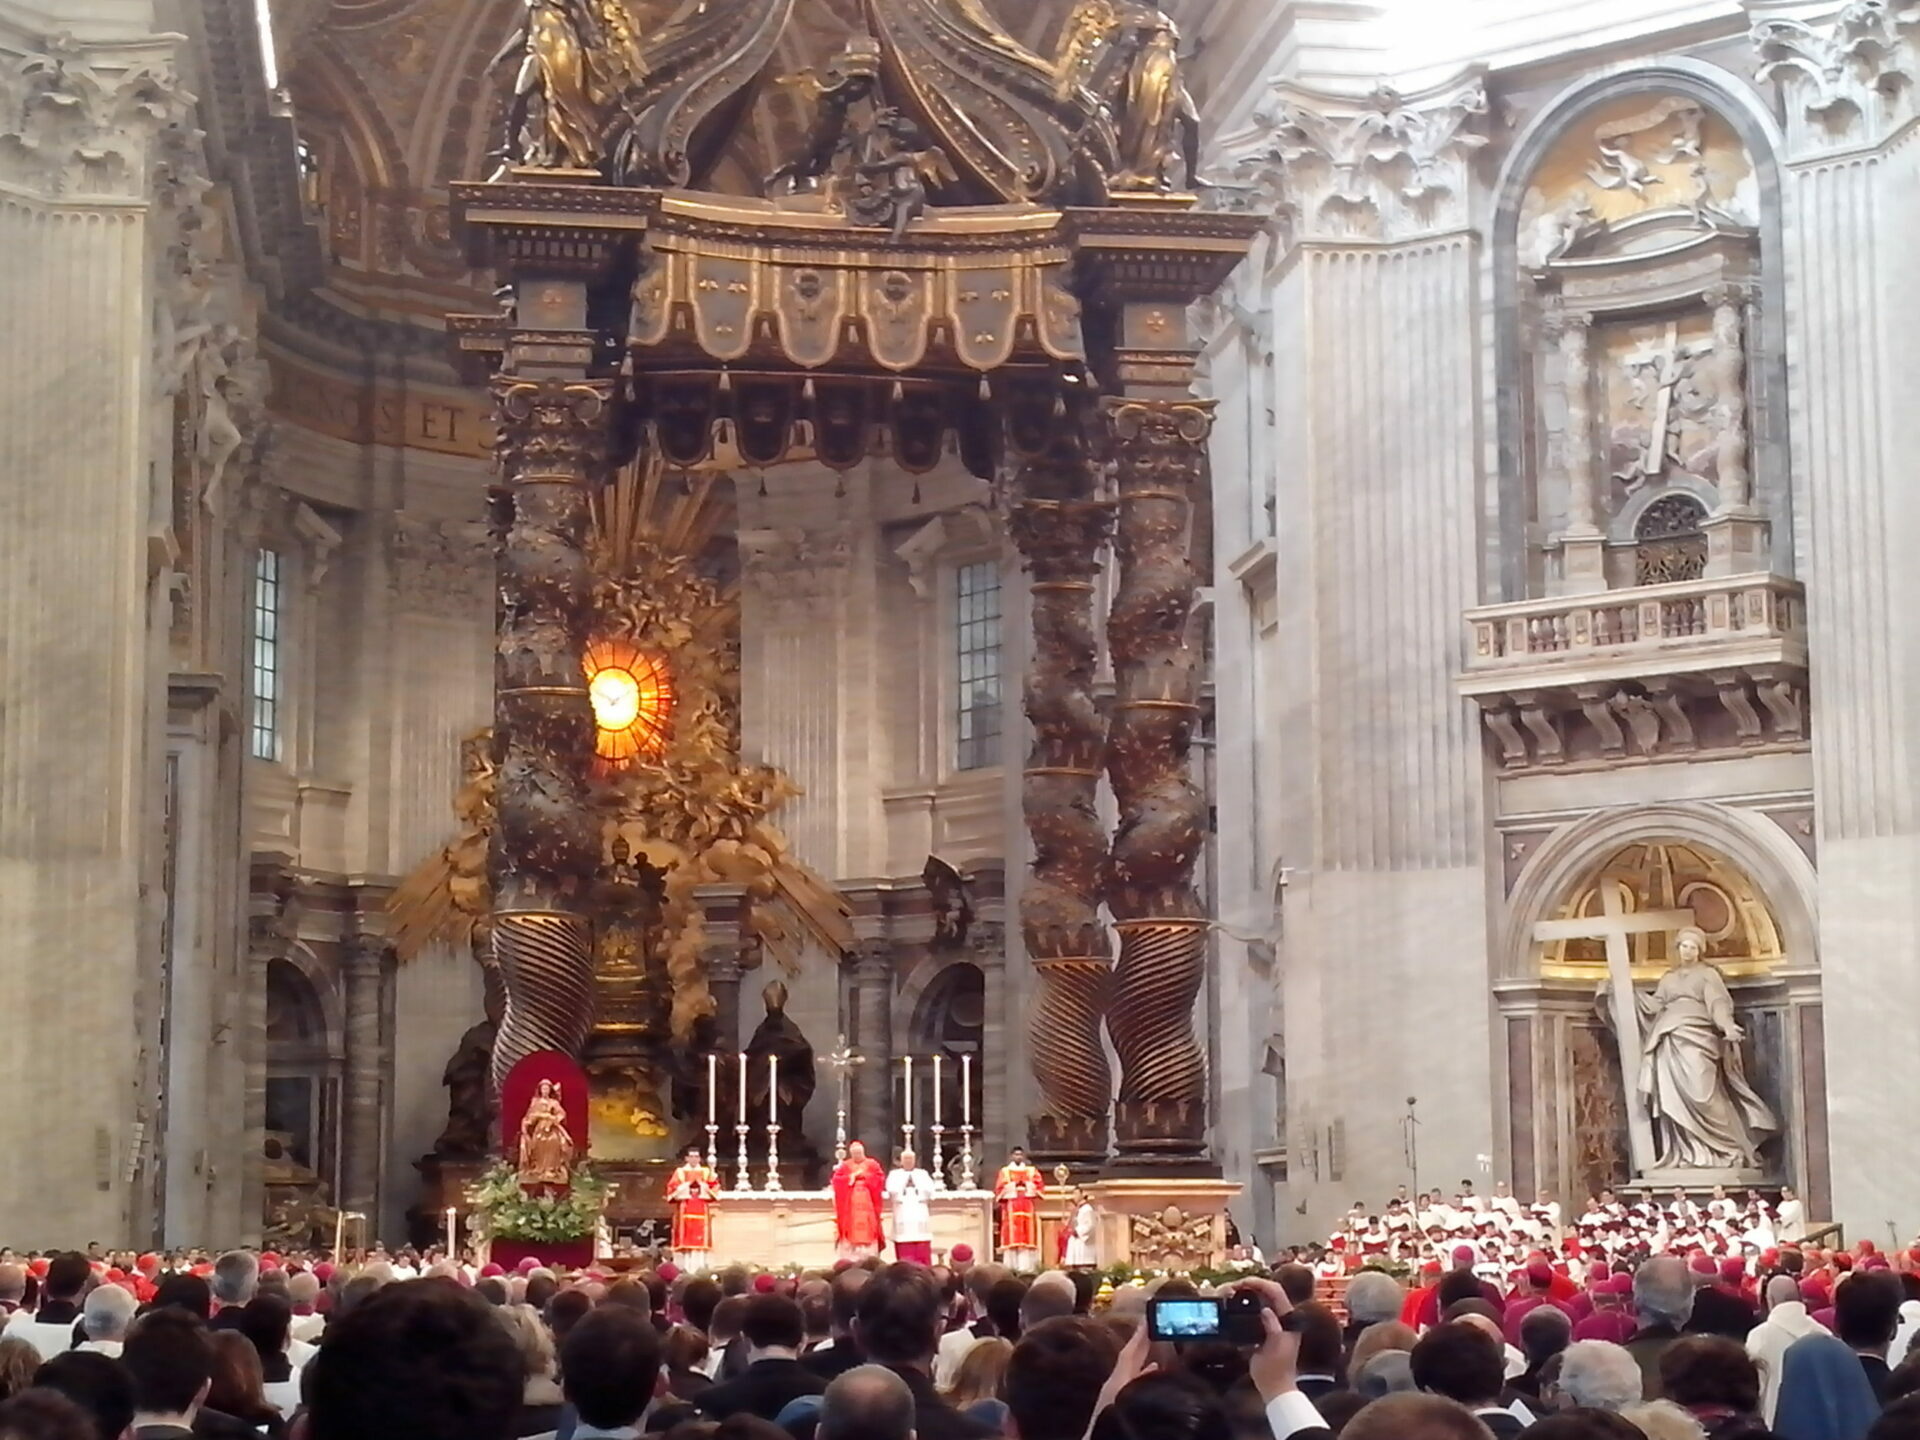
(105, 1318)
(1599, 1375)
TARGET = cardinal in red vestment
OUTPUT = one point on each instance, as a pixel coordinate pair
(691, 1190)
(858, 1187)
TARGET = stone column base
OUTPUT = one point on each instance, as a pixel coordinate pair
(1163, 1224)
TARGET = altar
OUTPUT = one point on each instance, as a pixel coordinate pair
(785, 1228)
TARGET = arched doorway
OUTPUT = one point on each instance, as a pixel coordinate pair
(303, 1074)
(1615, 888)
(949, 1021)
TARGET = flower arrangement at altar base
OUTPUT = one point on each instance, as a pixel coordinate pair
(506, 1210)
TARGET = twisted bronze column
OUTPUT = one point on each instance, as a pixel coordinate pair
(546, 843)
(1160, 456)
(1060, 529)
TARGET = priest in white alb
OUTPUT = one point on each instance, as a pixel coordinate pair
(910, 1198)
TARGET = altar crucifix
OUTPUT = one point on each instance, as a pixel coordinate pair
(842, 1057)
(1614, 926)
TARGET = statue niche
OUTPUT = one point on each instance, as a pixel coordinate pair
(1639, 236)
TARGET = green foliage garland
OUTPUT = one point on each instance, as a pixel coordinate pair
(510, 1213)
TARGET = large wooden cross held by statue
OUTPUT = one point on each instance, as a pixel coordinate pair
(1614, 925)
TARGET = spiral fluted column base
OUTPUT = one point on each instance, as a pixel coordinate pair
(1162, 1108)
(546, 960)
(1069, 1059)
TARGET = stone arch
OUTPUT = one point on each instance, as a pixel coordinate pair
(1731, 98)
(1746, 838)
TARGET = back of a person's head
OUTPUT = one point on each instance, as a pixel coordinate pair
(1163, 1407)
(684, 1349)
(1047, 1298)
(1663, 1420)
(1004, 1303)
(424, 1359)
(303, 1289)
(45, 1415)
(868, 1402)
(1055, 1373)
(844, 1295)
(697, 1301)
(98, 1384)
(18, 1361)
(67, 1275)
(1297, 1281)
(1585, 1424)
(1376, 1339)
(235, 1275)
(1374, 1297)
(630, 1293)
(980, 1282)
(108, 1312)
(184, 1292)
(1866, 1308)
(541, 1289)
(1709, 1370)
(566, 1310)
(490, 1288)
(611, 1361)
(1322, 1345)
(724, 1324)
(735, 1279)
(169, 1359)
(1663, 1292)
(1460, 1362)
(1545, 1330)
(236, 1375)
(1458, 1285)
(898, 1319)
(1599, 1375)
(1899, 1421)
(530, 1338)
(265, 1320)
(773, 1322)
(1415, 1417)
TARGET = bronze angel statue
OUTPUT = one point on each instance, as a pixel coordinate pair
(1127, 56)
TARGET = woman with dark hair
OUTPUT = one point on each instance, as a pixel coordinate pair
(237, 1387)
(1717, 1382)
(684, 1356)
(184, 1292)
(1164, 1407)
(265, 1320)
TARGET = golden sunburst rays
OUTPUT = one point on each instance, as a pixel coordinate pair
(633, 701)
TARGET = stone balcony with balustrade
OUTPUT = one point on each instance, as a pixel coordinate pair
(1653, 673)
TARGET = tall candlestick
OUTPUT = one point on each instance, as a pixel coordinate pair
(743, 1087)
(773, 1089)
(453, 1245)
(966, 1089)
(907, 1060)
(713, 1087)
(936, 1091)
(339, 1236)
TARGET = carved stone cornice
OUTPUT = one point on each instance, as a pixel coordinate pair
(78, 122)
(801, 568)
(1376, 168)
(1846, 72)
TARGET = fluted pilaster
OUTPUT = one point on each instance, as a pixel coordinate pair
(364, 973)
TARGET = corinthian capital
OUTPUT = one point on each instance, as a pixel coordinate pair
(78, 121)
(1846, 71)
(1381, 167)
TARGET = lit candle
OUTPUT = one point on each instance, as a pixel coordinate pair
(936, 1090)
(339, 1236)
(773, 1089)
(966, 1089)
(907, 1060)
(453, 1247)
(713, 1087)
(743, 1087)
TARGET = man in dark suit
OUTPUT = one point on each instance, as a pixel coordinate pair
(425, 1359)
(1467, 1364)
(842, 1352)
(611, 1360)
(898, 1325)
(1054, 1376)
(774, 1329)
(171, 1363)
(1866, 1314)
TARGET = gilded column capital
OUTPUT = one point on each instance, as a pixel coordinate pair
(552, 431)
(1375, 168)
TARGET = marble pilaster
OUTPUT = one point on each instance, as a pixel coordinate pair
(1851, 191)
(1376, 798)
(872, 1118)
(82, 767)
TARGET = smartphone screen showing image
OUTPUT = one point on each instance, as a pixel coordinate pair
(1183, 1319)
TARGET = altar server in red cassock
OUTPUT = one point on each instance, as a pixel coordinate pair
(690, 1190)
(1018, 1188)
(859, 1184)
